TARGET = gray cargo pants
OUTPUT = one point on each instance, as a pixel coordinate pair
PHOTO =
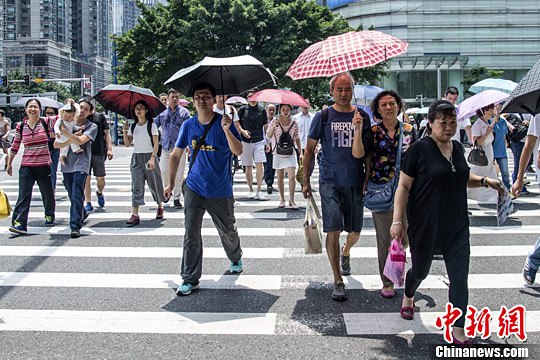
(222, 212)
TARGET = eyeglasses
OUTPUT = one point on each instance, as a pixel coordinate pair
(202, 98)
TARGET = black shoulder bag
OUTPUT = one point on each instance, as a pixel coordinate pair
(198, 146)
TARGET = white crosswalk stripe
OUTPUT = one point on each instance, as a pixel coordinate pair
(275, 267)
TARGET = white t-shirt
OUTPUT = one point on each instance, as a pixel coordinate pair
(461, 125)
(141, 141)
(235, 115)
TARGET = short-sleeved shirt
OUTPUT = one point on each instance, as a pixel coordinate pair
(500, 129)
(292, 129)
(534, 128)
(36, 143)
(461, 125)
(99, 146)
(437, 205)
(142, 144)
(383, 150)
(337, 165)
(229, 109)
(253, 119)
(210, 175)
(80, 162)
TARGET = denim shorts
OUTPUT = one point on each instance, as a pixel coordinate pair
(342, 207)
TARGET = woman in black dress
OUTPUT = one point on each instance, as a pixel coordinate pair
(433, 187)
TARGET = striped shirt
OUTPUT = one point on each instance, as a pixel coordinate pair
(36, 145)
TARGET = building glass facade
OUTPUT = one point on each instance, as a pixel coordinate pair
(451, 38)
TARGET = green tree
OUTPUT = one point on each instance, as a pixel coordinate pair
(479, 73)
(177, 35)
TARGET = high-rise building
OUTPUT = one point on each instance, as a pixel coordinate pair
(126, 14)
(58, 38)
(448, 39)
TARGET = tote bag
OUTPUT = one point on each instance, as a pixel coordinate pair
(312, 228)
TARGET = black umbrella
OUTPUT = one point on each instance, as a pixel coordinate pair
(526, 96)
(231, 75)
(122, 98)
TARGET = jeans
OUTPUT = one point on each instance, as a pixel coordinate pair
(534, 257)
(503, 166)
(55, 155)
(74, 183)
(27, 177)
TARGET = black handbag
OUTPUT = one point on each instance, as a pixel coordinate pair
(477, 156)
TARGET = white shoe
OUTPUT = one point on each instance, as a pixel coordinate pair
(260, 196)
(251, 195)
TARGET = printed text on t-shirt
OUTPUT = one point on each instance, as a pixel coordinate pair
(342, 134)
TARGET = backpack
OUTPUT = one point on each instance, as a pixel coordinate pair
(149, 129)
(47, 131)
(285, 144)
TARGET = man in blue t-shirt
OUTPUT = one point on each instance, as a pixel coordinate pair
(341, 175)
(208, 184)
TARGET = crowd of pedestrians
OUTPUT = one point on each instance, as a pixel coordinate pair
(426, 177)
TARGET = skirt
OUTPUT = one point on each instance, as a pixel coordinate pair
(284, 161)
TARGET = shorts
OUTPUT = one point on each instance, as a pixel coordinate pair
(342, 207)
(97, 165)
(253, 153)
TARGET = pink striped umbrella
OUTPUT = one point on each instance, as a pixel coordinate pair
(345, 52)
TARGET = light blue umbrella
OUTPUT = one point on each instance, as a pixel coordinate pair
(366, 91)
(503, 85)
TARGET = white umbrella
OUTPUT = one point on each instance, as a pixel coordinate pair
(503, 85)
(236, 100)
(45, 102)
(413, 110)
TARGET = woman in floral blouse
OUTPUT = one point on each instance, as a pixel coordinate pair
(381, 167)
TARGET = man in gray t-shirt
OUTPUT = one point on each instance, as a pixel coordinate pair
(75, 169)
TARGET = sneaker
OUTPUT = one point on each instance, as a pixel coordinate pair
(186, 288)
(530, 169)
(236, 267)
(100, 199)
(18, 228)
(526, 183)
(345, 263)
(49, 221)
(177, 204)
(269, 189)
(339, 293)
(133, 220)
(529, 275)
(251, 195)
(75, 234)
(524, 191)
(88, 207)
(159, 214)
(260, 196)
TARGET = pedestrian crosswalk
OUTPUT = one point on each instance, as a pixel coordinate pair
(118, 279)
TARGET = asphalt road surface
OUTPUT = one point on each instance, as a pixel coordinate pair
(111, 293)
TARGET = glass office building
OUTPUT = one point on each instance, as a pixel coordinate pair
(451, 38)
